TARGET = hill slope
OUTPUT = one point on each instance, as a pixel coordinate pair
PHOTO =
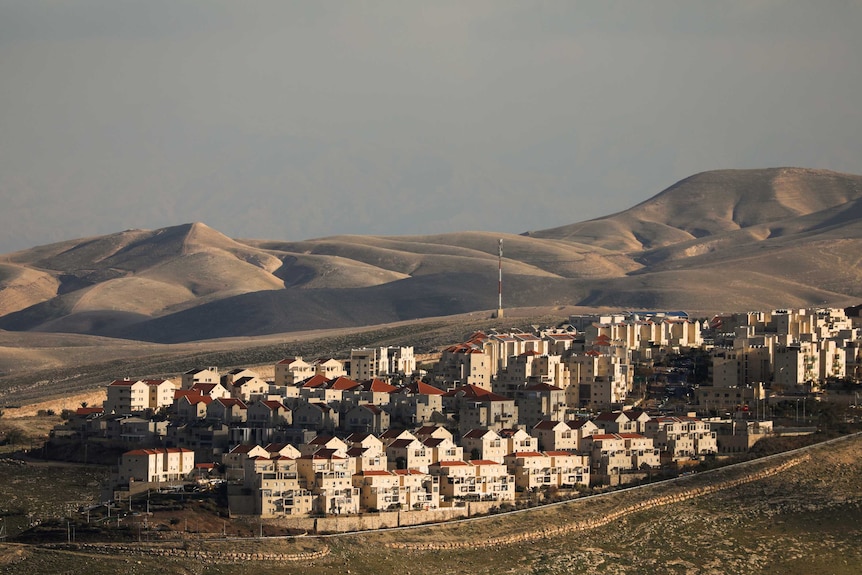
(720, 240)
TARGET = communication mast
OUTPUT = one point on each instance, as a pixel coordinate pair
(500, 280)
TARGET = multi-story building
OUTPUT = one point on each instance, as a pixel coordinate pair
(157, 465)
(485, 444)
(327, 475)
(200, 375)
(275, 487)
(681, 438)
(615, 454)
(126, 396)
(291, 371)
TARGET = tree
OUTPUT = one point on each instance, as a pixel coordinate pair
(14, 436)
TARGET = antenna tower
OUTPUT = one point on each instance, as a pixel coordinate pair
(500, 279)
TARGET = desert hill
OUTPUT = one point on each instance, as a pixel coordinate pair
(722, 240)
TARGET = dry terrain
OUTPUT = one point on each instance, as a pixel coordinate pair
(58, 371)
(797, 513)
(792, 238)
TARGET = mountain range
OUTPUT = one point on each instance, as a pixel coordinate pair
(721, 240)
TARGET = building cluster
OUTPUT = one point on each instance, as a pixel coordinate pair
(500, 413)
(788, 351)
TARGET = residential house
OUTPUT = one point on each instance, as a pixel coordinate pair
(327, 475)
(540, 401)
(326, 442)
(517, 440)
(227, 410)
(292, 370)
(125, 396)
(269, 413)
(329, 368)
(234, 460)
(191, 407)
(275, 486)
(379, 490)
(366, 417)
(682, 438)
(572, 469)
(158, 465)
(408, 453)
(457, 480)
(531, 469)
(619, 457)
(484, 444)
(315, 415)
(417, 403)
(248, 388)
(200, 375)
(493, 481)
(421, 490)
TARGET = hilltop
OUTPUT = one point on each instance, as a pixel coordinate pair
(721, 240)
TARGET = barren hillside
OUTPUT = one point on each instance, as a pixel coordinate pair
(723, 240)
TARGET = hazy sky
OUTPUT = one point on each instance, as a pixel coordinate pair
(295, 120)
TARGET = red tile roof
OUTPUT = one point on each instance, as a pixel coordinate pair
(343, 384)
(378, 386)
(526, 454)
(315, 381)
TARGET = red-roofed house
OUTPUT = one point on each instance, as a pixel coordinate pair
(156, 465)
(457, 480)
(408, 454)
(269, 413)
(416, 404)
(315, 415)
(374, 391)
(126, 396)
(491, 411)
(248, 388)
(493, 481)
(213, 390)
(227, 410)
(421, 490)
(327, 475)
(290, 371)
(621, 457)
(366, 417)
(379, 490)
(200, 375)
(192, 407)
(484, 444)
(531, 469)
(443, 448)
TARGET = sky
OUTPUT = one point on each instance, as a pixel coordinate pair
(292, 120)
